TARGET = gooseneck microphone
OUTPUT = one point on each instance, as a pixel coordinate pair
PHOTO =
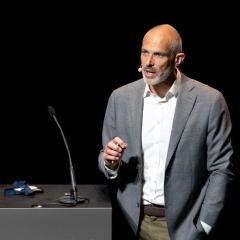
(72, 198)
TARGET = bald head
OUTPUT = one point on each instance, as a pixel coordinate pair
(166, 34)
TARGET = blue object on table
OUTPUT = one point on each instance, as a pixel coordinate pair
(19, 188)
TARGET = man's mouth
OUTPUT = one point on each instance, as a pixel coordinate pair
(149, 73)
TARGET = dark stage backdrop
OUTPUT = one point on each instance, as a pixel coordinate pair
(56, 55)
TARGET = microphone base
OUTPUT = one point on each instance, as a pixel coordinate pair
(70, 201)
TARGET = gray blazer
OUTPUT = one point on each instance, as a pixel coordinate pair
(197, 174)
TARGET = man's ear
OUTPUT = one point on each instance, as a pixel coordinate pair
(179, 59)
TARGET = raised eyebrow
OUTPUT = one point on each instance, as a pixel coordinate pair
(160, 54)
(144, 50)
(154, 53)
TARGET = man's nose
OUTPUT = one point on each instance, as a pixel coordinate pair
(150, 61)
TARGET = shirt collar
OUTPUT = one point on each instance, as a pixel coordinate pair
(173, 91)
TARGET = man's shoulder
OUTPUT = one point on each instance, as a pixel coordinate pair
(200, 87)
(135, 86)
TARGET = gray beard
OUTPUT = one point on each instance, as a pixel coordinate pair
(159, 79)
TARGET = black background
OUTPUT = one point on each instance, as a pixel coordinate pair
(73, 56)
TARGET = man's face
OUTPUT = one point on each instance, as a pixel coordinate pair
(157, 63)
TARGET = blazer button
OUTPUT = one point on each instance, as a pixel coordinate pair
(138, 205)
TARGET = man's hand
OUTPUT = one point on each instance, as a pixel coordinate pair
(113, 152)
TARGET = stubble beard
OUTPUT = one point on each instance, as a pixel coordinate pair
(162, 77)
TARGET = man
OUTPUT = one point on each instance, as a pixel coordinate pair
(166, 140)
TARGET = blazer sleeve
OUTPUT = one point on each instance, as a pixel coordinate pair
(219, 165)
(108, 131)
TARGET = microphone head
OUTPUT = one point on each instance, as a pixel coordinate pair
(51, 111)
(139, 69)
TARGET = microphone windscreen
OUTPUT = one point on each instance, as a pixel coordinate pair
(51, 111)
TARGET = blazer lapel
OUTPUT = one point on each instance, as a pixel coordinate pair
(136, 115)
(185, 103)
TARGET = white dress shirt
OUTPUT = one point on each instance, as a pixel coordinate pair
(157, 123)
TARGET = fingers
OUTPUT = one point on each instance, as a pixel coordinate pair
(112, 154)
(114, 149)
(119, 142)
